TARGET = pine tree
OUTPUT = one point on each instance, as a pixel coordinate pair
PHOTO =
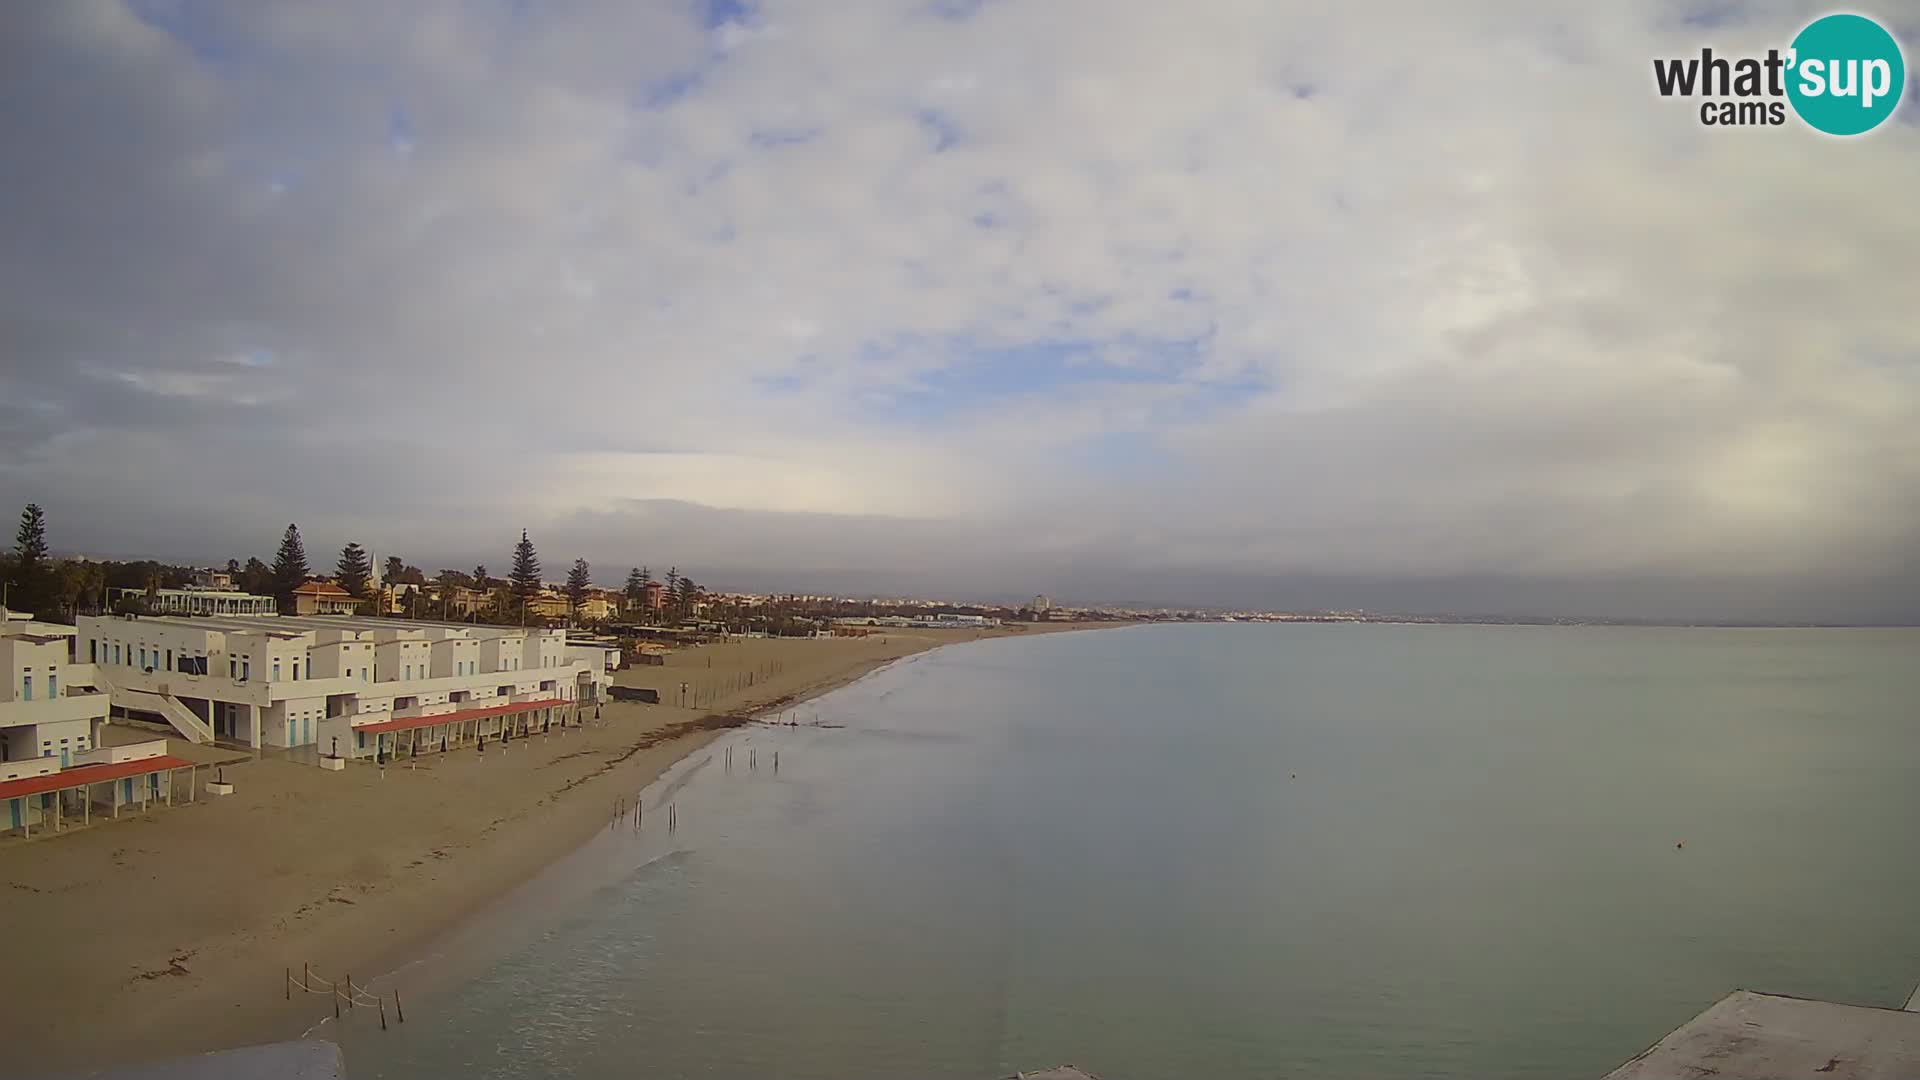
(636, 590)
(579, 582)
(687, 592)
(525, 575)
(480, 577)
(233, 567)
(289, 568)
(396, 569)
(355, 570)
(32, 576)
(255, 578)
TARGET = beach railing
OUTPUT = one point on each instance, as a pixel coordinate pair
(345, 990)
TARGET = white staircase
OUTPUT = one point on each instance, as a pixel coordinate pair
(190, 726)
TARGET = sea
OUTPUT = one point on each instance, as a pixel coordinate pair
(1222, 850)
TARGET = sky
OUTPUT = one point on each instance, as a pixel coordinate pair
(1392, 305)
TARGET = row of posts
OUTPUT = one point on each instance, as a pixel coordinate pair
(333, 990)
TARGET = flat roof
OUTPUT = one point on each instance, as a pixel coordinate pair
(295, 625)
(82, 775)
(459, 715)
(1749, 1036)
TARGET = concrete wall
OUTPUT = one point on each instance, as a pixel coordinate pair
(506, 653)
(403, 660)
(113, 755)
(455, 656)
(24, 768)
(545, 649)
(336, 657)
(37, 661)
(24, 741)
(114, 644)
(293, 722)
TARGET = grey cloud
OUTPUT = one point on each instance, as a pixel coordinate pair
(1478, 321)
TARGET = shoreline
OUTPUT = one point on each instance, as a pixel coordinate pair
(186, 918)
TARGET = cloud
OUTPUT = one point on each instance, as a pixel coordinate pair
(978, 296)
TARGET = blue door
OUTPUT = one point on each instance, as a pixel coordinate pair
(306, 731)
(15, 805)
(66, 757)
(126, 790)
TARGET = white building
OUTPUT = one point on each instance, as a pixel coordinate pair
(52, 766)
(49, 708)
(349, 683)
(198, 601)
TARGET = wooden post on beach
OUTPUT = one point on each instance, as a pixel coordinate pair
(349, 992)
(397, 1007)
(289, 984)
(383, 1014)
(336, 1003)
(306, 975)
(776, 763)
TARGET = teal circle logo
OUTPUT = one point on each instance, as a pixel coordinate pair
(1846, 74)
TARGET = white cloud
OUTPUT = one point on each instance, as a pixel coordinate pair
(1420, 289)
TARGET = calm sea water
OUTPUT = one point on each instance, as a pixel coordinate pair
(1226, 851)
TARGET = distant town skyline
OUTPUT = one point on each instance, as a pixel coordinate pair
(1238, 305)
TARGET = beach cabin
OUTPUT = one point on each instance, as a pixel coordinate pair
(34, 795)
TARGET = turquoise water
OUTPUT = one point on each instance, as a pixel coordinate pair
(1227, 851)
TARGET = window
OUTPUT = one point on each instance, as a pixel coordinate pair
(233, 667)
(26, 688)
(246, 668)
(116, 653)
(296, 669)
(276, 669)
(93, 650)
(169, 659)
(53, 687)
(143, 657)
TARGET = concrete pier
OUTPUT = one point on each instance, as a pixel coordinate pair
(1749, 1036)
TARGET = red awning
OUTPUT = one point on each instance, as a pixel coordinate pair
(410, 722)
(81, 775)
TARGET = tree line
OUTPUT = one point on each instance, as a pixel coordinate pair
(37, 583)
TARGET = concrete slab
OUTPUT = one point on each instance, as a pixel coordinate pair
(1749, 1036)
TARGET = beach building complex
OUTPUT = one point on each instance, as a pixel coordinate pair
(53, 766)
(349, 685)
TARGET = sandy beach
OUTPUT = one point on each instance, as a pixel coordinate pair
(168, 933)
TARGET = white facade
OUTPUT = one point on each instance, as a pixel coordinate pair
(300, 681)
(200, 601)
(49, 709)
